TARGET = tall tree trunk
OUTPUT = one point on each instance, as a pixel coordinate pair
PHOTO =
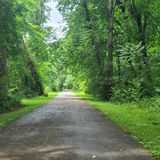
(102, 70)
(111, 9)
(3, 76)
(141, 20)
(38, 85)
(118, 70)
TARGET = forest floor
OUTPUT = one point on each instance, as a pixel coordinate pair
(67, 128)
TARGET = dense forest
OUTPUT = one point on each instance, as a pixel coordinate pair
(110, 50)
(111, 47)
(24, 53)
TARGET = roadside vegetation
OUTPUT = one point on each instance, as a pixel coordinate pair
(27, 67)
(28, 104)
(141, 120)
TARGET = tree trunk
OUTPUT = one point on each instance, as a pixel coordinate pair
(118, 70)
(38, 88)
(111, 9)
(141, 19)
(3, 76)
(38, 85)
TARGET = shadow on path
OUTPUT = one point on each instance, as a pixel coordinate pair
(67, 128)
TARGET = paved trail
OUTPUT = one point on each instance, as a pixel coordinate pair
(67, 128)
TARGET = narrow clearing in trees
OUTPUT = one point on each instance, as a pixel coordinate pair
(67, 128)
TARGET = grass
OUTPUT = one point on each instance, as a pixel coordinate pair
(142, 123)
(29, 105)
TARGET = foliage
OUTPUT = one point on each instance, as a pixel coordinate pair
(125, 70)
(23, 50)
(89, 57)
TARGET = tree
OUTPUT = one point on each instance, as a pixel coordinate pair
(111, 10)
(21, 41)
(7, 18)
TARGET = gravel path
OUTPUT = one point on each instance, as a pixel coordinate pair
(67, 128)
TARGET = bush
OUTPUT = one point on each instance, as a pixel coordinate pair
(10, 104)
(128, 93)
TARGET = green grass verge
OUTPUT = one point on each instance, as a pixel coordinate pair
(142, 123)
(29, 105)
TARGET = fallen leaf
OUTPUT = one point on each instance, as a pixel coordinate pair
(121, 150)
(94, 157)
